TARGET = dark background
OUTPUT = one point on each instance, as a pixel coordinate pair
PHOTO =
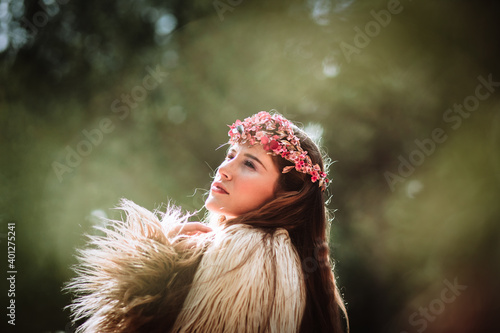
(377, 96)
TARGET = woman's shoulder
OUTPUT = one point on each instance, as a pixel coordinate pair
(247, 268)
(250, 269)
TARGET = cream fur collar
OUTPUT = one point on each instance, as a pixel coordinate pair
(134, 279)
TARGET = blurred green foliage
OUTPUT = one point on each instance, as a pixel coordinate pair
(90, 63)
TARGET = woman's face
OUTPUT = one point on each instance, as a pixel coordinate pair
(244, 182)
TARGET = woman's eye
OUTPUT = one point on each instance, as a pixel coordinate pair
(229, 157)
(249, 164)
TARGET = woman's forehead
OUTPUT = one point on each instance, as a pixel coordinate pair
(256, 150)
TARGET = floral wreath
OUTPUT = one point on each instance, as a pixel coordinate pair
(275, 134)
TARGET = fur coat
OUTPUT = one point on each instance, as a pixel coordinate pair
(135, 278)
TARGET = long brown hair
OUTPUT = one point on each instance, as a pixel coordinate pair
(299, 207)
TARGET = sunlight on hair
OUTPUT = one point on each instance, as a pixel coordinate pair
(314, 131)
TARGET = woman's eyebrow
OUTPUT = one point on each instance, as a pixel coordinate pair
(255, 159)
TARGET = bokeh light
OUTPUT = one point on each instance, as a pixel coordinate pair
(131, 99)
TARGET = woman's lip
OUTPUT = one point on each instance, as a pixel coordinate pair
(218, 188)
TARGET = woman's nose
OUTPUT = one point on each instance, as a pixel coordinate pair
(225, 172)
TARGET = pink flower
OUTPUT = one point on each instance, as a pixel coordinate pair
(276, 134)
(274, 144)
(259, 135)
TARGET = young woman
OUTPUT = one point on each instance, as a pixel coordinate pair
(260, 265)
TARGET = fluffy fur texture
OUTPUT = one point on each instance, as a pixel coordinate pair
(137, 279)
(248, 281)
(133, 278)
